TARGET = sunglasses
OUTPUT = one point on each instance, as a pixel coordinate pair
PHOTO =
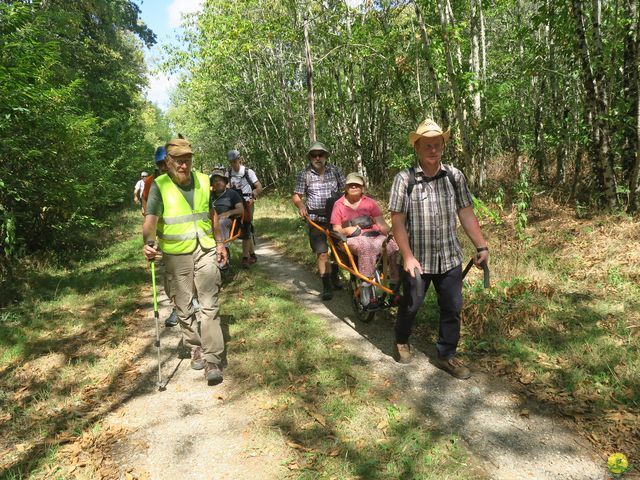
(354, 185)
(317, 154)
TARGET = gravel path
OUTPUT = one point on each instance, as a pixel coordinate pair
(512, 438)
(192, 431)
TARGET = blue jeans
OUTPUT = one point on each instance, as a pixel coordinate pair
(448, 287)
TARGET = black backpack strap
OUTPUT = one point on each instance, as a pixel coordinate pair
(246, 176)
(412, 181)
(451, 178)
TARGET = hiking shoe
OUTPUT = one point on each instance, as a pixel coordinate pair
(252, 259)
(171, 320)
(245, 262)
(454, 367)
(213, 373)
(327, 290)
(366, 294)
(196, 305)
(402, 353)
(197, 360)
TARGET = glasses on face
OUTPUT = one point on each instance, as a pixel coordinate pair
(354, 185)
(180, 160)
(317, 154)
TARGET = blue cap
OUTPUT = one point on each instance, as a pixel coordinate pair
(232, 155)
(161, 154)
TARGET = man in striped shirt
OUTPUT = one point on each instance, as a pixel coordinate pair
(424, 203)
(316, 184)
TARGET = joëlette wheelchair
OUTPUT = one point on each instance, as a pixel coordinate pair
(385, 297)
(382, 296)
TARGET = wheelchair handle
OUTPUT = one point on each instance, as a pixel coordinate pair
(485, 269)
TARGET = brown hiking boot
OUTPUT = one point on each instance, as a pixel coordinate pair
(402, 353)
(454, 367)
(213, 373)
(197, 360)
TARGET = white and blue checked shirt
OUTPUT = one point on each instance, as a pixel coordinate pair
(318, 188)
(431, 214)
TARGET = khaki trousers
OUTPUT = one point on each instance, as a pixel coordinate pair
(197, 271)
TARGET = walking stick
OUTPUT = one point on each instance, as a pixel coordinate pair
(160, 385)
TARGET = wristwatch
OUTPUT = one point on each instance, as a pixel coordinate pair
(482, 249)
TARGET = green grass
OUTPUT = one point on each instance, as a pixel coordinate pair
(344, 421)
(564, 324)
(277, 220)
(68, 347)
(61, 346)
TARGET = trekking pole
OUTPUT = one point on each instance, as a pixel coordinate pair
(160, 385)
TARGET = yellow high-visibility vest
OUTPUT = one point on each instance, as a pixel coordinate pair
(180, 228)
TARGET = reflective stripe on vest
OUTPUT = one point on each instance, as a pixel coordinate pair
(180, 228)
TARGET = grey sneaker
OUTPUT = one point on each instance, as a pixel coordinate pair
(454, 367)
(197, 360)
(366, 294)
(213, 373)
(171, 320)
(402, 353)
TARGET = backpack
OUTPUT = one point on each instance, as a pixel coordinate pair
(412, 179)
(246, 177)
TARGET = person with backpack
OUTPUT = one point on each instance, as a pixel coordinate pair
(139, 188)
(317, 183)
(189, 236)
(424, 203)
(359, 218)
(245, 182)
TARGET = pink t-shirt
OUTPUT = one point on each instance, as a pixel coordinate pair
(342, 213)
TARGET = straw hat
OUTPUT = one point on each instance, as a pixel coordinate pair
(428, 129)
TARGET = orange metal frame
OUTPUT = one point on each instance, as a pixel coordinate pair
(233, 226)
(352, 268)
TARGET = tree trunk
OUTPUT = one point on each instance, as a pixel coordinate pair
(309, 64)
(433, 78)
(634, 184)
(596, 104)
(460, 112)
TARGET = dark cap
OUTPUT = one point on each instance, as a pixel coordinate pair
(219, 172)
(233, 155)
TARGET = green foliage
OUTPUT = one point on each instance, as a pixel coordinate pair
(74, 139)
(484, 211)
(522, 193)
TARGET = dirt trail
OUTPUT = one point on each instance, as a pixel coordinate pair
(194, 431)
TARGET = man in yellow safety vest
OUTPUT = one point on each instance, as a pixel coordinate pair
(189, 237)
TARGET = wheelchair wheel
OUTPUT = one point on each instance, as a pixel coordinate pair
(363, 314)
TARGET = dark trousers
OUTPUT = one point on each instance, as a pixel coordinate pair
(448, 287)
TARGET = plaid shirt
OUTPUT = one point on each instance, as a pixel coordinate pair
(317, 188)
(431, 217)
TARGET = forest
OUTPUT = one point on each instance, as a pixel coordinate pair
(548, 89)
(541, 96)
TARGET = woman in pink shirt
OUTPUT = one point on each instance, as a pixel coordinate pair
(359, 218)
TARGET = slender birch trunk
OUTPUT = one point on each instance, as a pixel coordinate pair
(309, 71)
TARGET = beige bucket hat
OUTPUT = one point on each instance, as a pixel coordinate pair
(428, 129)
(354, 177)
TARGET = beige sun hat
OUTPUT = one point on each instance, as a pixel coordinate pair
(178, 146)
(428, 129)
(354, 177)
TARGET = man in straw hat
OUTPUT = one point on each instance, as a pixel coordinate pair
(424, 203)
(178, 212)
